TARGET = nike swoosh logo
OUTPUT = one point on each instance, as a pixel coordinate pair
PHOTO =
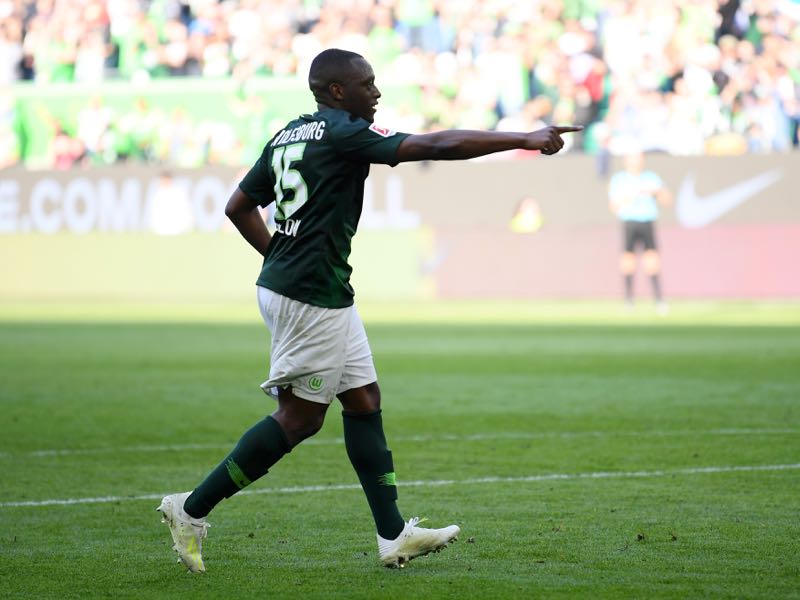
(698, 211)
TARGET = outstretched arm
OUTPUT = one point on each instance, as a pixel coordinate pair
(457, 144)
(243, 213)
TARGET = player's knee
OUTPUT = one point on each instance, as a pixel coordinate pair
(299, 425)
(312, 426)
(652, 262)
(627, 263)
(373, 396)
(309, 425)
(298, 429)
(366, 399)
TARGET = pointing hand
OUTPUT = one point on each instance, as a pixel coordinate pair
(549, 140)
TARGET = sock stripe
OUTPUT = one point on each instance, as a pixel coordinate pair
(237, 475)
(388, 479)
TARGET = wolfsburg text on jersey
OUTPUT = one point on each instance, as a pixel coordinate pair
(308, 131)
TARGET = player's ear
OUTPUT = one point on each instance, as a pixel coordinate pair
(336, 91)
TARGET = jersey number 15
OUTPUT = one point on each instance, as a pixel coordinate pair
(288, 180)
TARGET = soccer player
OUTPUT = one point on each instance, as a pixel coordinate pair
(314, 170)
(634, 196)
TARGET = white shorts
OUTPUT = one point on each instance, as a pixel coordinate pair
(319, 352)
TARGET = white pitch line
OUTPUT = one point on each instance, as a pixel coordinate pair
(434, 482)
(442, 437)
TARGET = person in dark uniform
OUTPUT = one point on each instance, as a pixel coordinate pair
(314, 171)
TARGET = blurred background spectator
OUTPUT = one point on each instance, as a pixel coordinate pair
(681, 76)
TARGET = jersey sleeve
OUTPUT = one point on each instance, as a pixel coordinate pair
(361, 141)
(257, 183)
(654, 181)
(614, 185)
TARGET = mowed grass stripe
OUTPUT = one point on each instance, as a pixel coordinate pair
(436, 483)
(521, 435)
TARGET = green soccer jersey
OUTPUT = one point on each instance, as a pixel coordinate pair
(314, 170)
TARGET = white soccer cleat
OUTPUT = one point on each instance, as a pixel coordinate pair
(414, 541)
(187, 532)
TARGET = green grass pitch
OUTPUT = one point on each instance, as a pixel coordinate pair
(585, 454)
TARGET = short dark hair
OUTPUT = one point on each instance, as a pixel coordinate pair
(329, 66)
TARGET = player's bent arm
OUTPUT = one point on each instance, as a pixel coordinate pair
(243, 212)
(457, 144)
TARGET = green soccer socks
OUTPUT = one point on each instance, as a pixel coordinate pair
(259, 448)
(372, 460)
(265, 443)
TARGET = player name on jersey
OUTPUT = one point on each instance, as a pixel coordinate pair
(305, 132)
(288, 227)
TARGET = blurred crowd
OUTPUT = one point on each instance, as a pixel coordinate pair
(678, 76)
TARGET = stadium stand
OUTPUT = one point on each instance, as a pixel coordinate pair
(686, 77)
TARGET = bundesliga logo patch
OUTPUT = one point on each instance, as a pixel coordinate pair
(382, 131)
